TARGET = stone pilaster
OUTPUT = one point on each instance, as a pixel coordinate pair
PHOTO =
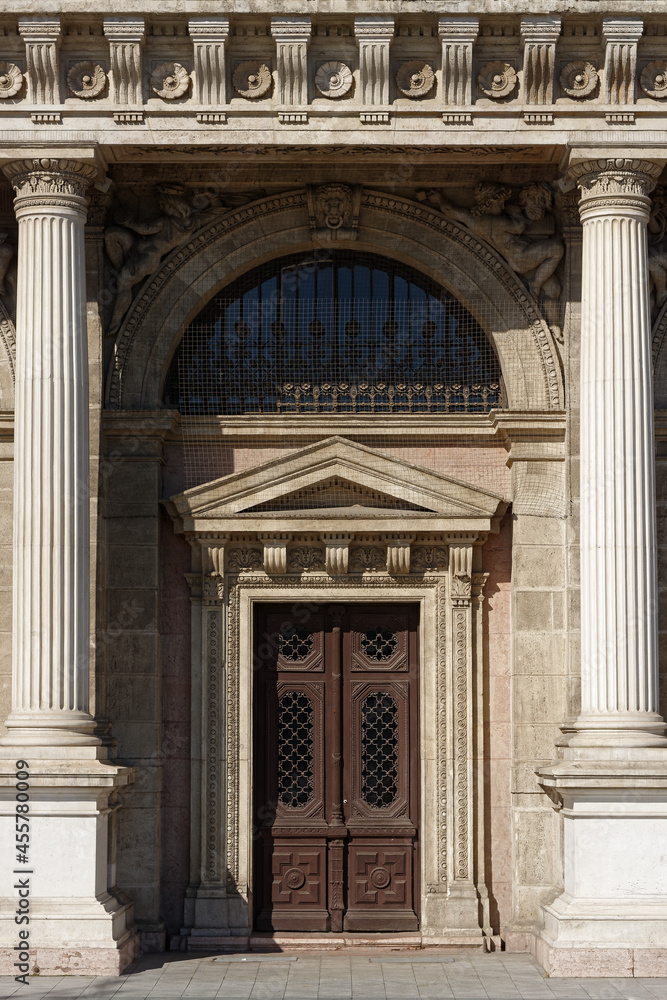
(42, 37)
(126, 41)
(292, 35)
(539, 36)
(619, 698)
(209, 38)
(51, 505)
(620, 36)
(457, 35)
(374, 34)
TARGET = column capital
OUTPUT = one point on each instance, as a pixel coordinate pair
(619, 183)
(50, 182)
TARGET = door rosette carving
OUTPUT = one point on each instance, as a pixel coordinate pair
(11, 80)
(334, 79)
(578, 79)
(170, 80)
(415, 78)
(86, 80)
(654, 79)
(497, 79)
(252, 79)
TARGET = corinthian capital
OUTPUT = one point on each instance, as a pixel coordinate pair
(50, 182)
(615, 177)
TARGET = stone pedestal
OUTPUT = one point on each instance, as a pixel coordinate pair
(76, 924)
(611, 920)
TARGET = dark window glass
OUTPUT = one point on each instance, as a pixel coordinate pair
(345, 333)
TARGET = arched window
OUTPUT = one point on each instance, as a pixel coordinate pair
(334, 332)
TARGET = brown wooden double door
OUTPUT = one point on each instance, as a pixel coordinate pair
(336, 767)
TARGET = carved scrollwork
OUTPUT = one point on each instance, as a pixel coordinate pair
(306, 557)
(653, 79)
(367, 557)
(244, 558)
(11, 80)
(415, 78)
(170, 80)
(87, 80)
(497, 79)
(426, 558)
(578, 79)
(252, 79)
(334, 79)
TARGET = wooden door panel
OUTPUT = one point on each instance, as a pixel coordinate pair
(336, 802)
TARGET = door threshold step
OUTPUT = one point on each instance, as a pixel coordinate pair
(347, 939)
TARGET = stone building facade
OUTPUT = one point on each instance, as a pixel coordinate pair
(332, 370)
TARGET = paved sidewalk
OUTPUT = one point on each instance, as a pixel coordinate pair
(336, 976)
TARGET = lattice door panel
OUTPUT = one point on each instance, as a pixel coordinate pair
(336, 768)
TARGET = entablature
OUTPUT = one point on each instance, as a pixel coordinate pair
(334, 66)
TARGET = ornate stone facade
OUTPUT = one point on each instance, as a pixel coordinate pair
(509, 167)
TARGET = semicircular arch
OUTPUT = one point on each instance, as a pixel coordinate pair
(397, 228)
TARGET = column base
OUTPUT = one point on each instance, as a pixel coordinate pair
(57, 877)
(611, 919)
(627, 729)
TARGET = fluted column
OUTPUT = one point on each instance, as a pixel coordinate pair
(619, 698)
(50, 701)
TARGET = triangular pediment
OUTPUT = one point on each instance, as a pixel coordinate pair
(333, 480)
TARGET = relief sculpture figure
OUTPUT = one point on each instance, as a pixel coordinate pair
(657, 249)
(135, 248)
(506, 227)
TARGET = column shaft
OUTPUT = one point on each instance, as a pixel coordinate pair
(51, 617)
(618, 528)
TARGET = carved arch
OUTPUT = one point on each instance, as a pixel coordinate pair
(394, 227)
(7, 360)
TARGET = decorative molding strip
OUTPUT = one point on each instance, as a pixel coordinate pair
(293, 117)
(212, 117)
(46, 118)
(538, 118)
(128, 117)
(374, 117)
(457, 118)
(620, 118)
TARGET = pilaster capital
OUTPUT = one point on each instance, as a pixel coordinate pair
(125, 29)
(458, 29)
(540, 29)
(291, 29)
(209, 29)
(371, 27)
(622, 29)
(42, 28)
(620, 183)
(50, 183)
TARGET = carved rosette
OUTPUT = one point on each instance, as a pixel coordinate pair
(497, 80)
(87, 80)
(48, 182)
(11, 80)
(334, 79)
(654, 79)
(170, 80)
(618, 183)
(578, 79)
(252, 80)
(415, 79)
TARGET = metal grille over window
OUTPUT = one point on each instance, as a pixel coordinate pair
(297, 644)
(343, 333)
(379, 749)
(295, 749)
(379, 643)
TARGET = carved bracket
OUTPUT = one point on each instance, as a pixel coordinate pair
(337, 552)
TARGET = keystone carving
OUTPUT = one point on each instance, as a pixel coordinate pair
(252, 80)
(415, 79)
(11, 80)
(170, 80)
(334, 207)
(87, 80)
(513, 230)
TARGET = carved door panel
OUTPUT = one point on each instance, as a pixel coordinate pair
(336, 767)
